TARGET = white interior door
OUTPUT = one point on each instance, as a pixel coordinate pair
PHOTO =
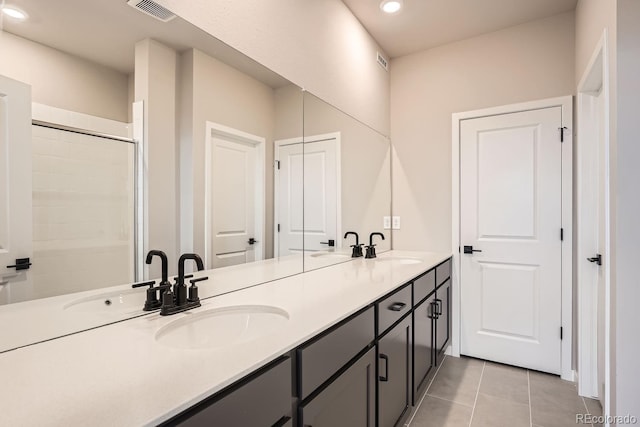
(233, 207)
(510, 210)
(289, 232)
(592, 242)
(15, 189)
(321, 187)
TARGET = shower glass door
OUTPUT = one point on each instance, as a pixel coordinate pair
(83, 212)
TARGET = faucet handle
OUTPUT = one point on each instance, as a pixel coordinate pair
(141, 284)
(193, 289)
(188, 276)
(199, 279)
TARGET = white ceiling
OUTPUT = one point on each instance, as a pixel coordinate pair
(423, 24)
(105, 32)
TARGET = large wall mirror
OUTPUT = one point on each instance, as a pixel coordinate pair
(107, 177)
(141, 134)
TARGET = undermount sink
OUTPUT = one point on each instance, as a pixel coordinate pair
(124, 301)
(330, 255)
(399, 260)
(219, 327)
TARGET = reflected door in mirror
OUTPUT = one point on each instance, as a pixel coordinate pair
(288, 199)
(15, 189)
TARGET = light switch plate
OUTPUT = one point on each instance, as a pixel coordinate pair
(386, 222)
(396, 223)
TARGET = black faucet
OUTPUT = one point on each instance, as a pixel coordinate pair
(371, 249)
(357, 248)
(153, 302)
(178, 300)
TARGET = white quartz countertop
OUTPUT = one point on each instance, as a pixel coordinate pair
(120, 375)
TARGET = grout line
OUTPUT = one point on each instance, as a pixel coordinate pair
(585, 406)
(529, 391)
(449, 400)
(425, 392)
(473, 410)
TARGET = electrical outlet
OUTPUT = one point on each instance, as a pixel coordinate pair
(386, 222)
(396, 223)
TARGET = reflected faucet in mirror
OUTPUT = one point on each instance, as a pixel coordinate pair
(371, 249)
(356, 251)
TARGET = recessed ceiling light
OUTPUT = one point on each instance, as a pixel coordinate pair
(391, 6)
(14, 12)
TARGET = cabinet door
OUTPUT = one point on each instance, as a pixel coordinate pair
(349, 401)
(394, 374)
(443, 328)
(423, 351)
(267, 395)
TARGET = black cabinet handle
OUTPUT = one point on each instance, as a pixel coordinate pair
(384, 378)
(438, 307)
(21, 264)
(431, 311)
(397, 306)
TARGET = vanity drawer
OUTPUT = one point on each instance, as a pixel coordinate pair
(443, 272)
(323, 357)
(423, 286)
(393, 308)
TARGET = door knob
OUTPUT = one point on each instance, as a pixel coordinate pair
(470, 250)
(331, 243)
(597, 259)
(21, 264)
(252, 241)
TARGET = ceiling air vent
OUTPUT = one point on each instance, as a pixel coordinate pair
(152, 8)
(383, 61)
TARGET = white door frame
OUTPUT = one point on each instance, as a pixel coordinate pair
(566, 104)
(216, 129)
(313, 138)
(595, 78)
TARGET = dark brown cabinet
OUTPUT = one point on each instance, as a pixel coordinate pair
(262, 399)
(442, 319)
(394, 374)
(348, 401)
(423, 345)
(365, 371)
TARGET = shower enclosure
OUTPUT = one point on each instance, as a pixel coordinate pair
(84, 210)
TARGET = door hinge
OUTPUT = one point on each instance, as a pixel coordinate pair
(561, 332)
(278, 164)
(562, 234)
(562, 129)
(278, 228)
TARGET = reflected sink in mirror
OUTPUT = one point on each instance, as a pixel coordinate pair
(399, 260)
(126, 301)
(331, 255)
(220, 327)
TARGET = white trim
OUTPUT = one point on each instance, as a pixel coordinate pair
(308, 139)
(566, 104)
(216, 129)
(142, 202)
(596, 76)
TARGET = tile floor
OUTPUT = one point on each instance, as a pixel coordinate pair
(469, 392)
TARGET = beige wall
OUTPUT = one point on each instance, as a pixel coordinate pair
(65, 81)
(523, 63)
(155, 85)
(317, 45)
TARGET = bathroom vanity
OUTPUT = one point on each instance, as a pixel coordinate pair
(343, 345)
